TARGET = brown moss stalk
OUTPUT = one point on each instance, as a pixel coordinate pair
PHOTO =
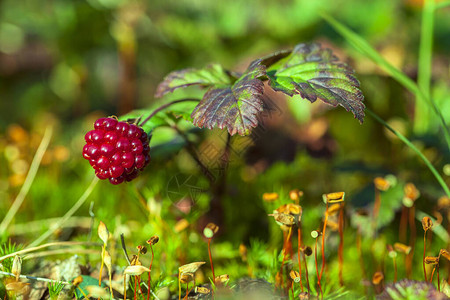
(317, 269)
(403, 225)
(341, 243)
(211, 261)
(323, 241)
(306, 273)
(424, 250)
(299, 257)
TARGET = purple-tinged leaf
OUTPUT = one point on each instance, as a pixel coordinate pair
(212, 75)
(315, 73)
(235, 107)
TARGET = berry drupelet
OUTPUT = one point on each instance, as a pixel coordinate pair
(117, 151)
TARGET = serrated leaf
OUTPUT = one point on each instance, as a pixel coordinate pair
(212, 75)
(315, 73)
(235, 107)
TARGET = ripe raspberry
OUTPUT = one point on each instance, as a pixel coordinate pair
(117, 151)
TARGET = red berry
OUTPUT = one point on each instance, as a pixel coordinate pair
(94, 136)
(122, 128)
(99, 123)
(107, 149)
(116, 180)
(111, 137)
(134, 132)
(109, 124)
(136, 146)
(103, 162)
(102, 174)
(127, 160)
(132, 175)
(116, 170)
(117, 151)
(139, 161)
(123, 144)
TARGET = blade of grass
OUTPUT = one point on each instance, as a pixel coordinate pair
(68, 214)
(414, 148)
(422, 117)
(364, 47)
(32, 249)
(28, 180)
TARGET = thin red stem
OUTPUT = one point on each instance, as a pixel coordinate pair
(317, 268)
(164, 107)
(299, 257)
(211, 261)
(139, 284)
(306, 273)
(323, 242)
(432, 273)
(403, 225)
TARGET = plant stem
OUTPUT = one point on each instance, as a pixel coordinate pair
(36, 278)
(298, 255)
(410, 145)
(341, 244)
(28, 180)
(403, 225)
(124, 248)
(423, 259)
(162, 107)
(317, 268)
(31, 249)
(285, 243)
(139, 284)
(323, 241)
(179, 285)
(211, 261)
(101, 267)
(306, 272)
(439, 280)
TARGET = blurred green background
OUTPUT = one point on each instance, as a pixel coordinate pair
(65, 63)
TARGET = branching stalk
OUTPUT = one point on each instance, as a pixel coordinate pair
(162, 107)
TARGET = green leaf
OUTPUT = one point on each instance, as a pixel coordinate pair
(212, 75)
(315, 73)
(154, 122)
(235, 107)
